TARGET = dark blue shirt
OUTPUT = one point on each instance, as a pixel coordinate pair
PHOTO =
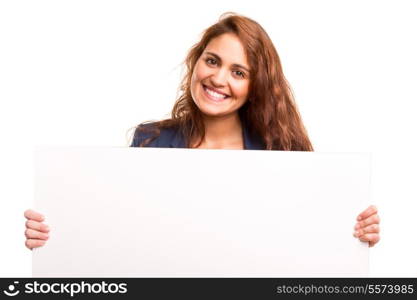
(173, 138)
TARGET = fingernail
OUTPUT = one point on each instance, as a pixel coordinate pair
(46, 227)
(357, 226)
(359, 218)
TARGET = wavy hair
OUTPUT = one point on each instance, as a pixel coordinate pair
(270, 111)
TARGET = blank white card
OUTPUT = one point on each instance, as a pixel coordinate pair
(145, 212)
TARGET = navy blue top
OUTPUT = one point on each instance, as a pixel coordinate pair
(173, 138)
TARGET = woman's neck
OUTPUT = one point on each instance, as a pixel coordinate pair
(222, 133)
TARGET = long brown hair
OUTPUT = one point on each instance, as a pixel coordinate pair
(270, 111)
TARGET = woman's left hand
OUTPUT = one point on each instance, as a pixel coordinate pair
(367, 227)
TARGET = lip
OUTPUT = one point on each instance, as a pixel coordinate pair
(212, 98)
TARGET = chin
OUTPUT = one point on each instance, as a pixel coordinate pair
(213, 113)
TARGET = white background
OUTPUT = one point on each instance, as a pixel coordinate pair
(84, 72)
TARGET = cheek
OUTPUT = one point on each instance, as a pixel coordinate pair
(195, 79)
(200, 72)
(241, 89)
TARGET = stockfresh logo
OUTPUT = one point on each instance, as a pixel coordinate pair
(11, 289)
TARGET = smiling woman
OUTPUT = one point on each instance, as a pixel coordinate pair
(234, 96)
(220, 84)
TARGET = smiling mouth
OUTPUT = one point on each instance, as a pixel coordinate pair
(214, 95)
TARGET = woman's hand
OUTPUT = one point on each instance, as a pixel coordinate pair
(36, 232)
(367, 227)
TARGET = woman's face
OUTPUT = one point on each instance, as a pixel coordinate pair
(220, 79)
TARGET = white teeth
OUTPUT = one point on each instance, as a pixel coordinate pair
(214, 94)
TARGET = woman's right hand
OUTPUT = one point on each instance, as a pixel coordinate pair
(37, 233)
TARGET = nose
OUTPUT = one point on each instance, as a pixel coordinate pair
(219, 78)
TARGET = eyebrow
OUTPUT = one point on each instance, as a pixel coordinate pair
(234, 65)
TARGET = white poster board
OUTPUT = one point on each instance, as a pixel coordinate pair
(143, 212)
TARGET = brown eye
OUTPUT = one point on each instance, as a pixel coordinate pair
(211, 61)
(240, 74)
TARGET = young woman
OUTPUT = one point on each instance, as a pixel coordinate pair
(234, 96)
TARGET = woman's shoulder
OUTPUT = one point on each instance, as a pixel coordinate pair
(154, 135)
